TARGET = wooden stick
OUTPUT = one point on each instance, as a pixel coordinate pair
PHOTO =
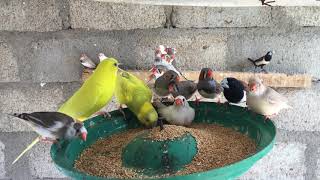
(270, 79)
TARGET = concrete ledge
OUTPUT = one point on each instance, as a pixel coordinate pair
(285, 161)
(214, 17)
(218, 3)
(86, 14)
(206, 17)
(31, 15)
(55, 57)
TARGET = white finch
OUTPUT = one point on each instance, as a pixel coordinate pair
(264, 100)
(180, 113)
(87, 62)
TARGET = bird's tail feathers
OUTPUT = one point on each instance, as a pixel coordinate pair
(158, 104)
(252, 61)
(21, 116)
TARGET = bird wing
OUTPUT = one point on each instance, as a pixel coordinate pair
(131, 87)
(273, 97)
(207, 86)
(53, 121)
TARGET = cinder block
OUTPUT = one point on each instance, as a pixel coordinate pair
(9, 71)
(31, 15)
(212, 17)
(2, 161)
(296, 15)
(285, 161)
(86, 14)
(305, 113)
(55, 58)
(12, 124)
(53, 61)
(41, 165)
(29, 98)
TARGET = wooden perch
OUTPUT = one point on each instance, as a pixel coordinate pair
(270, 79)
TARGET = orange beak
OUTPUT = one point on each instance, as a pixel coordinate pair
(178, 102)
(84, 136)
(253, 87)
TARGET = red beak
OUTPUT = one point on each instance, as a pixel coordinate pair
(84, 136)
(178, 102)
(253, 87)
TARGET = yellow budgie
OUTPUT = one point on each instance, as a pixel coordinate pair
(95, 93)
(134, 93)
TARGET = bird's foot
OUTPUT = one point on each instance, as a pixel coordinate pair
(197, 101)
(219, 102)
(104, 114)
(160, 123)
(48, 140)
(122, 112)
(263, 70)
(269, 117)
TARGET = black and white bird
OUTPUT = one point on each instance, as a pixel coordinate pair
(53, 126)
(262, 61)
(234, 90)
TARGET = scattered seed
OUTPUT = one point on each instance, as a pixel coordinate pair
(217, 147)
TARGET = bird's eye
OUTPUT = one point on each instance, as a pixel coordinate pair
(115, 64)
(183, 100)
(77, 130)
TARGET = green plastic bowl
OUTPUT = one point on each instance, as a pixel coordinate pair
(234, 117)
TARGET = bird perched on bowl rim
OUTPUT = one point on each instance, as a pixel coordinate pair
(234, 90)
(136, 95)
(262, 61)
(52, 127)
(180, 113)
(207, 86)
(264, 100)
(95, 92)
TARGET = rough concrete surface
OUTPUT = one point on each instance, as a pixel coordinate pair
(41, 165)
(30, 15)
(218, 3)
(305, 113)
(8, 64)
(2, 161)
(285, 161)
(30, 97)
(108, 16)
(202, 17)
(55, 57)
(41, 41)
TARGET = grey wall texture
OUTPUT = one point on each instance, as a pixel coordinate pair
(41, 41)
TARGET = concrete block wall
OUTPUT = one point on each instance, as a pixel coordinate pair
(40, 42)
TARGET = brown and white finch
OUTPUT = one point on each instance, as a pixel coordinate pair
(265, 100)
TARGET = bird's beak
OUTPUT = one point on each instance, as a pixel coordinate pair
(178, 102)
(252, 88)
(84, 136)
